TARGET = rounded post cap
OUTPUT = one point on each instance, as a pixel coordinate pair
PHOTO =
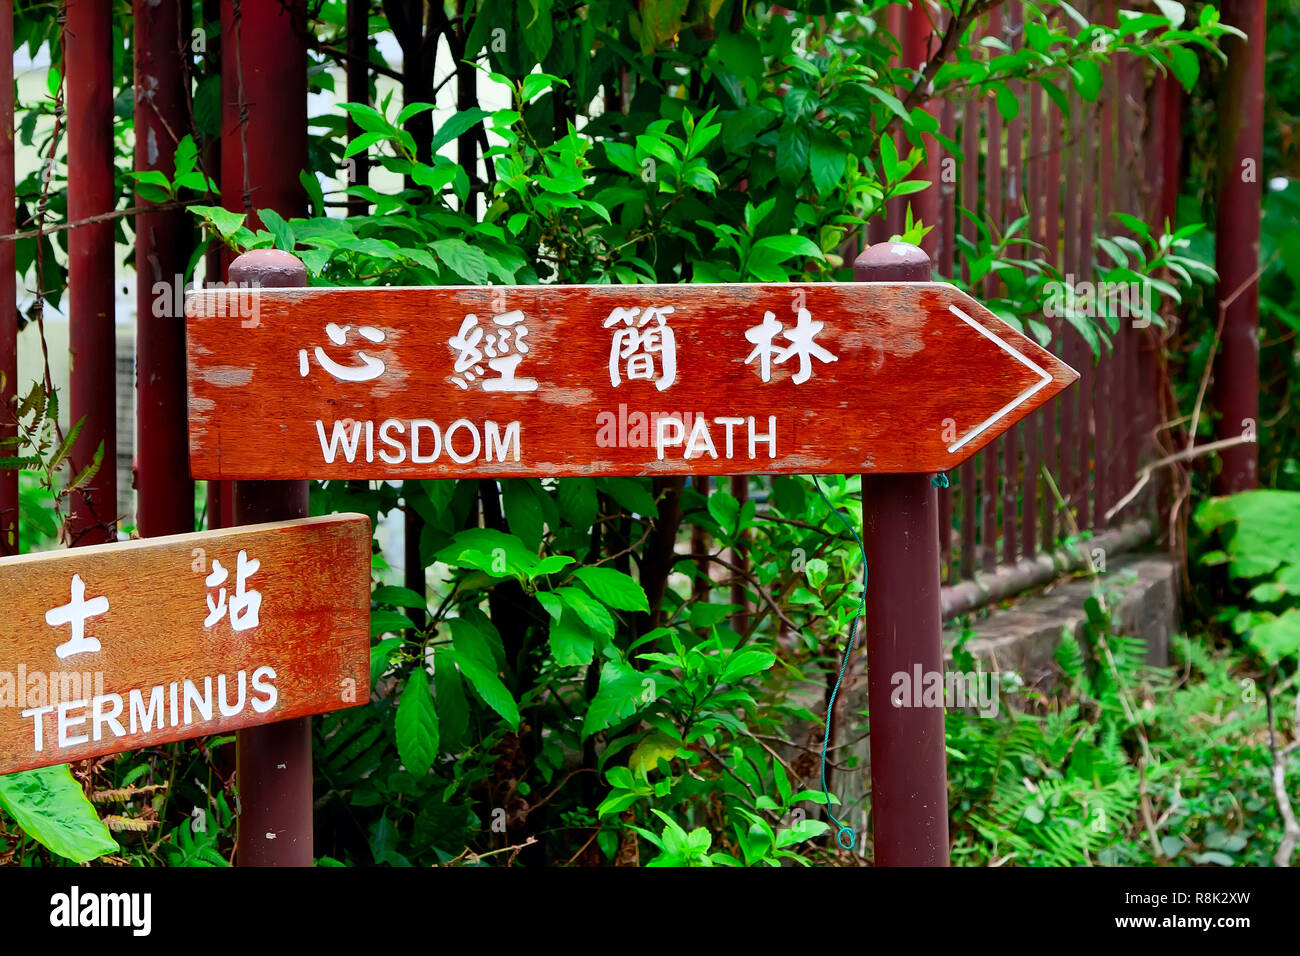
(892, 262)
(269, 269)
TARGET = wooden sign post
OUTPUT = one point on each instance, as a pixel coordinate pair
(888, 376)
(110, 648)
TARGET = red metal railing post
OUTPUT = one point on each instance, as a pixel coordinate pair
(264, 128)
(970, 199)
(930, 205)
(1052, 456)
(263, 151)
(909, 780)
(162, 242)
(358, 17)
(274, 761)
(88, 59)
(1236, 370)
(8, 287)
(918, 42)
(264, 105)
(1041, 423)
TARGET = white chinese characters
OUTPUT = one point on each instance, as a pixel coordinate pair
(244, 605)
(490, 352)
(504, 346)
(369, 369)
(76, 612)
(635, 346)
(801, 345)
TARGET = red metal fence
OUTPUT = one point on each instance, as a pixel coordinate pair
(1067, 175)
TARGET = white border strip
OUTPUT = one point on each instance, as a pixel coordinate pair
(1043, 379)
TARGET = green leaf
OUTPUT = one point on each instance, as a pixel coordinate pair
(489, 687)
(615, 588)
(909, 186)
(806, 829)
(578, 502)
(466, 261)
(622, 156)
(650, 145)
(647, 754)
(660, 21)
(792, 154)
(152, 177)
(381, 657)
(738, 53)
(725, 510)
(1277, 639)
(521, 509)
(590, 611)
(1008, 102)
(895, 105)
(417, 724)
(552, 603)
(196, 181)
(1038, 36)
(782, 782)
(536, 83)
(282, 231)
(315, 194)
(1214, 856)
(453, 709)
(383, 621)
(889, 158)
(550, 565)
(363, 143)
(398, 597)
(706, 615)
(623, 690)
(413, 109)
(225, 222)
(751, 660)
(631, 493)
(537, 27)
(1186, 67)
(486, 549)
(1259, 528)
(789, 246)
(571, 641)
(826, 160)
(1087, 79)
(471, 639)
(51, 808)
(459, 123)
(367, 117)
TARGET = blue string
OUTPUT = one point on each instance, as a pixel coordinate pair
(843, 829)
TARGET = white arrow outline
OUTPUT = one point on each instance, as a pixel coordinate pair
(1044, 379)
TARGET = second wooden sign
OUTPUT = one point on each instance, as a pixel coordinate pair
(115, 647)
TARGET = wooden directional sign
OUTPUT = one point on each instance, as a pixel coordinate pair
(110, 648)
(610, 380)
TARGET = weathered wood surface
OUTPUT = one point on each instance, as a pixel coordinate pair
(896, 377)
(155, 619)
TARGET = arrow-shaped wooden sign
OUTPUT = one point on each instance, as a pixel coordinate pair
(602, 380)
